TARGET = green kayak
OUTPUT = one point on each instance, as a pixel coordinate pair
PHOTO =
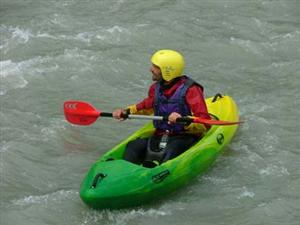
(115, 183)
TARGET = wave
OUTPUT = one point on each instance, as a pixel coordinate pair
(11, 76)
(57, 196)
(274, 170)
(245, 193)
(15, 75)
(122, 216)
(112, 34)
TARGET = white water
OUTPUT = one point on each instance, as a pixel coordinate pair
(99, 51)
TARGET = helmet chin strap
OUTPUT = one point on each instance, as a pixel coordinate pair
(162, 81)
(168, 84)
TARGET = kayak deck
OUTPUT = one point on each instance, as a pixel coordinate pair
(115, 183)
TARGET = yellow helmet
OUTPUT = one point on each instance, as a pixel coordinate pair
(171, 63)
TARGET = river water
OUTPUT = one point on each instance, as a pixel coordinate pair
(99, 51)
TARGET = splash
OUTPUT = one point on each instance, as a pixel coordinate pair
(57, 196)
(11, 76)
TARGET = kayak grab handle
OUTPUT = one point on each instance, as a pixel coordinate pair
(160, 176)
(99, 176)
(218, 95)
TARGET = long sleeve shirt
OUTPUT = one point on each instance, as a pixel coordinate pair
(194, 99)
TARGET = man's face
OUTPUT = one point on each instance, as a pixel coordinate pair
(156, 73)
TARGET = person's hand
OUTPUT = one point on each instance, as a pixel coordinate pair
(119, 114)
(173, 117)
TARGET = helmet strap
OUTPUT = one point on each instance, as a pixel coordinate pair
(165, 85)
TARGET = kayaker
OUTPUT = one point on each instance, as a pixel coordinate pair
(174, 95)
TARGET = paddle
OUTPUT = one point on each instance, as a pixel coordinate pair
(83, 113)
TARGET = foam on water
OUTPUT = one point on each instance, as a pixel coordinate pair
(245, 193)
(11, 75)
(99, 51)
(57, 197)
(16, 75)
(123, 217)
(4, 147)
(55, 128)
(274, 170)
(16, 33)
